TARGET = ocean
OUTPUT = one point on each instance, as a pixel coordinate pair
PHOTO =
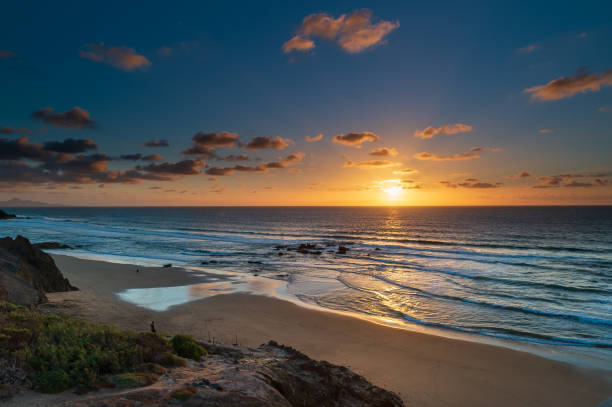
(536, 277)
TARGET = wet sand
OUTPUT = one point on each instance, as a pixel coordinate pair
(425, 370)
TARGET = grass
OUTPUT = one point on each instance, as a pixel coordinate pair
(59, 352)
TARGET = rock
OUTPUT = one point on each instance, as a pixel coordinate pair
(306, 382)
(342, 250)
(4, 215)
(27, 272)
(167, 265)
(51, 245)
(254, 262)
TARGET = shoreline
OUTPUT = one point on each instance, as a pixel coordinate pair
(565, 354)
(423, 369)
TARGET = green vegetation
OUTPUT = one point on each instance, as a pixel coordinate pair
(59, 352)
(183, 394)
(186, 347)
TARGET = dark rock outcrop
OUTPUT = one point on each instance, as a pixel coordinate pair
(27, 272)
(306, 382)
(51, 245)
(4, 215)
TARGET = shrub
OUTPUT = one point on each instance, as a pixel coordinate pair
(52, 381)
(59, 352)
(186, 347)
(125, 380)
(183, 394)
(168, 359)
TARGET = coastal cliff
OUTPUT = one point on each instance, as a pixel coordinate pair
(27, 273)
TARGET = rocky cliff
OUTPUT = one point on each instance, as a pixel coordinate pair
(27, 273)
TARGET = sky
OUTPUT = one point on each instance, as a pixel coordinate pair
(306, 103)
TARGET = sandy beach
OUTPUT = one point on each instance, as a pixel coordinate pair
(425, 370)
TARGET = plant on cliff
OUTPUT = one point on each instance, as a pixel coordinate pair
(186, 347)
(59, 352)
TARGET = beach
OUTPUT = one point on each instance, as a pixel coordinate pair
(425, 370)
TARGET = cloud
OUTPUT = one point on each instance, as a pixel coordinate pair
(239, 157)
(605, 109)
(204, 144)
(75, 118)
(471, 183)
(276, 143)
(314, 139)
(472, 154)
(164, 51)
(138, 156)
(405, 171)
(22, 149)
(355, 139)
(566, 87)
(528, 49)
(298, 43)
(119, 57)
(11, 130)
(156, 143)
(354, 32)
(430, 132)
(7, 54)
(185, 167)
(521, 174)
(554, 181)
(262, 167)
(545, 131)
(583, 35)
(71, 146)
(383, 152)
(295, 170)
(373, 164)
(295, 157)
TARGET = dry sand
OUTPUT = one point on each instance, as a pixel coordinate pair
(425, 370)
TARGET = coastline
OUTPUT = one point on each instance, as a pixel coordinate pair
(424, 369)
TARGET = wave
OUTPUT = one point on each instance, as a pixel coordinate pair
(507, 333)
(586, 319)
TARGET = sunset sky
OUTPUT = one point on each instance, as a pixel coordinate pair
(306, 103)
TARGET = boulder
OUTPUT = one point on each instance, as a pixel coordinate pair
(51, 245)
(27, 273)
(4, 215)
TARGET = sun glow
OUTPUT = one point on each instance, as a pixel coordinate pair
(393, 192)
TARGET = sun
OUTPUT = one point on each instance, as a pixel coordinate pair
(393, 192)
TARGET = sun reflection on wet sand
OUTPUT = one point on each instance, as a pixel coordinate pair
(162, 298)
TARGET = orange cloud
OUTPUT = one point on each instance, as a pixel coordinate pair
(430, 132)
(461, 156)
(555, 181)
(471, 183)
(384, 152)
(355, 139)
(368, 165)
(314, 139)
(298, 43)
(354, 32)
(521, 174)
(405, 171)
(545, 131)
(119, 57)
(566, 87)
